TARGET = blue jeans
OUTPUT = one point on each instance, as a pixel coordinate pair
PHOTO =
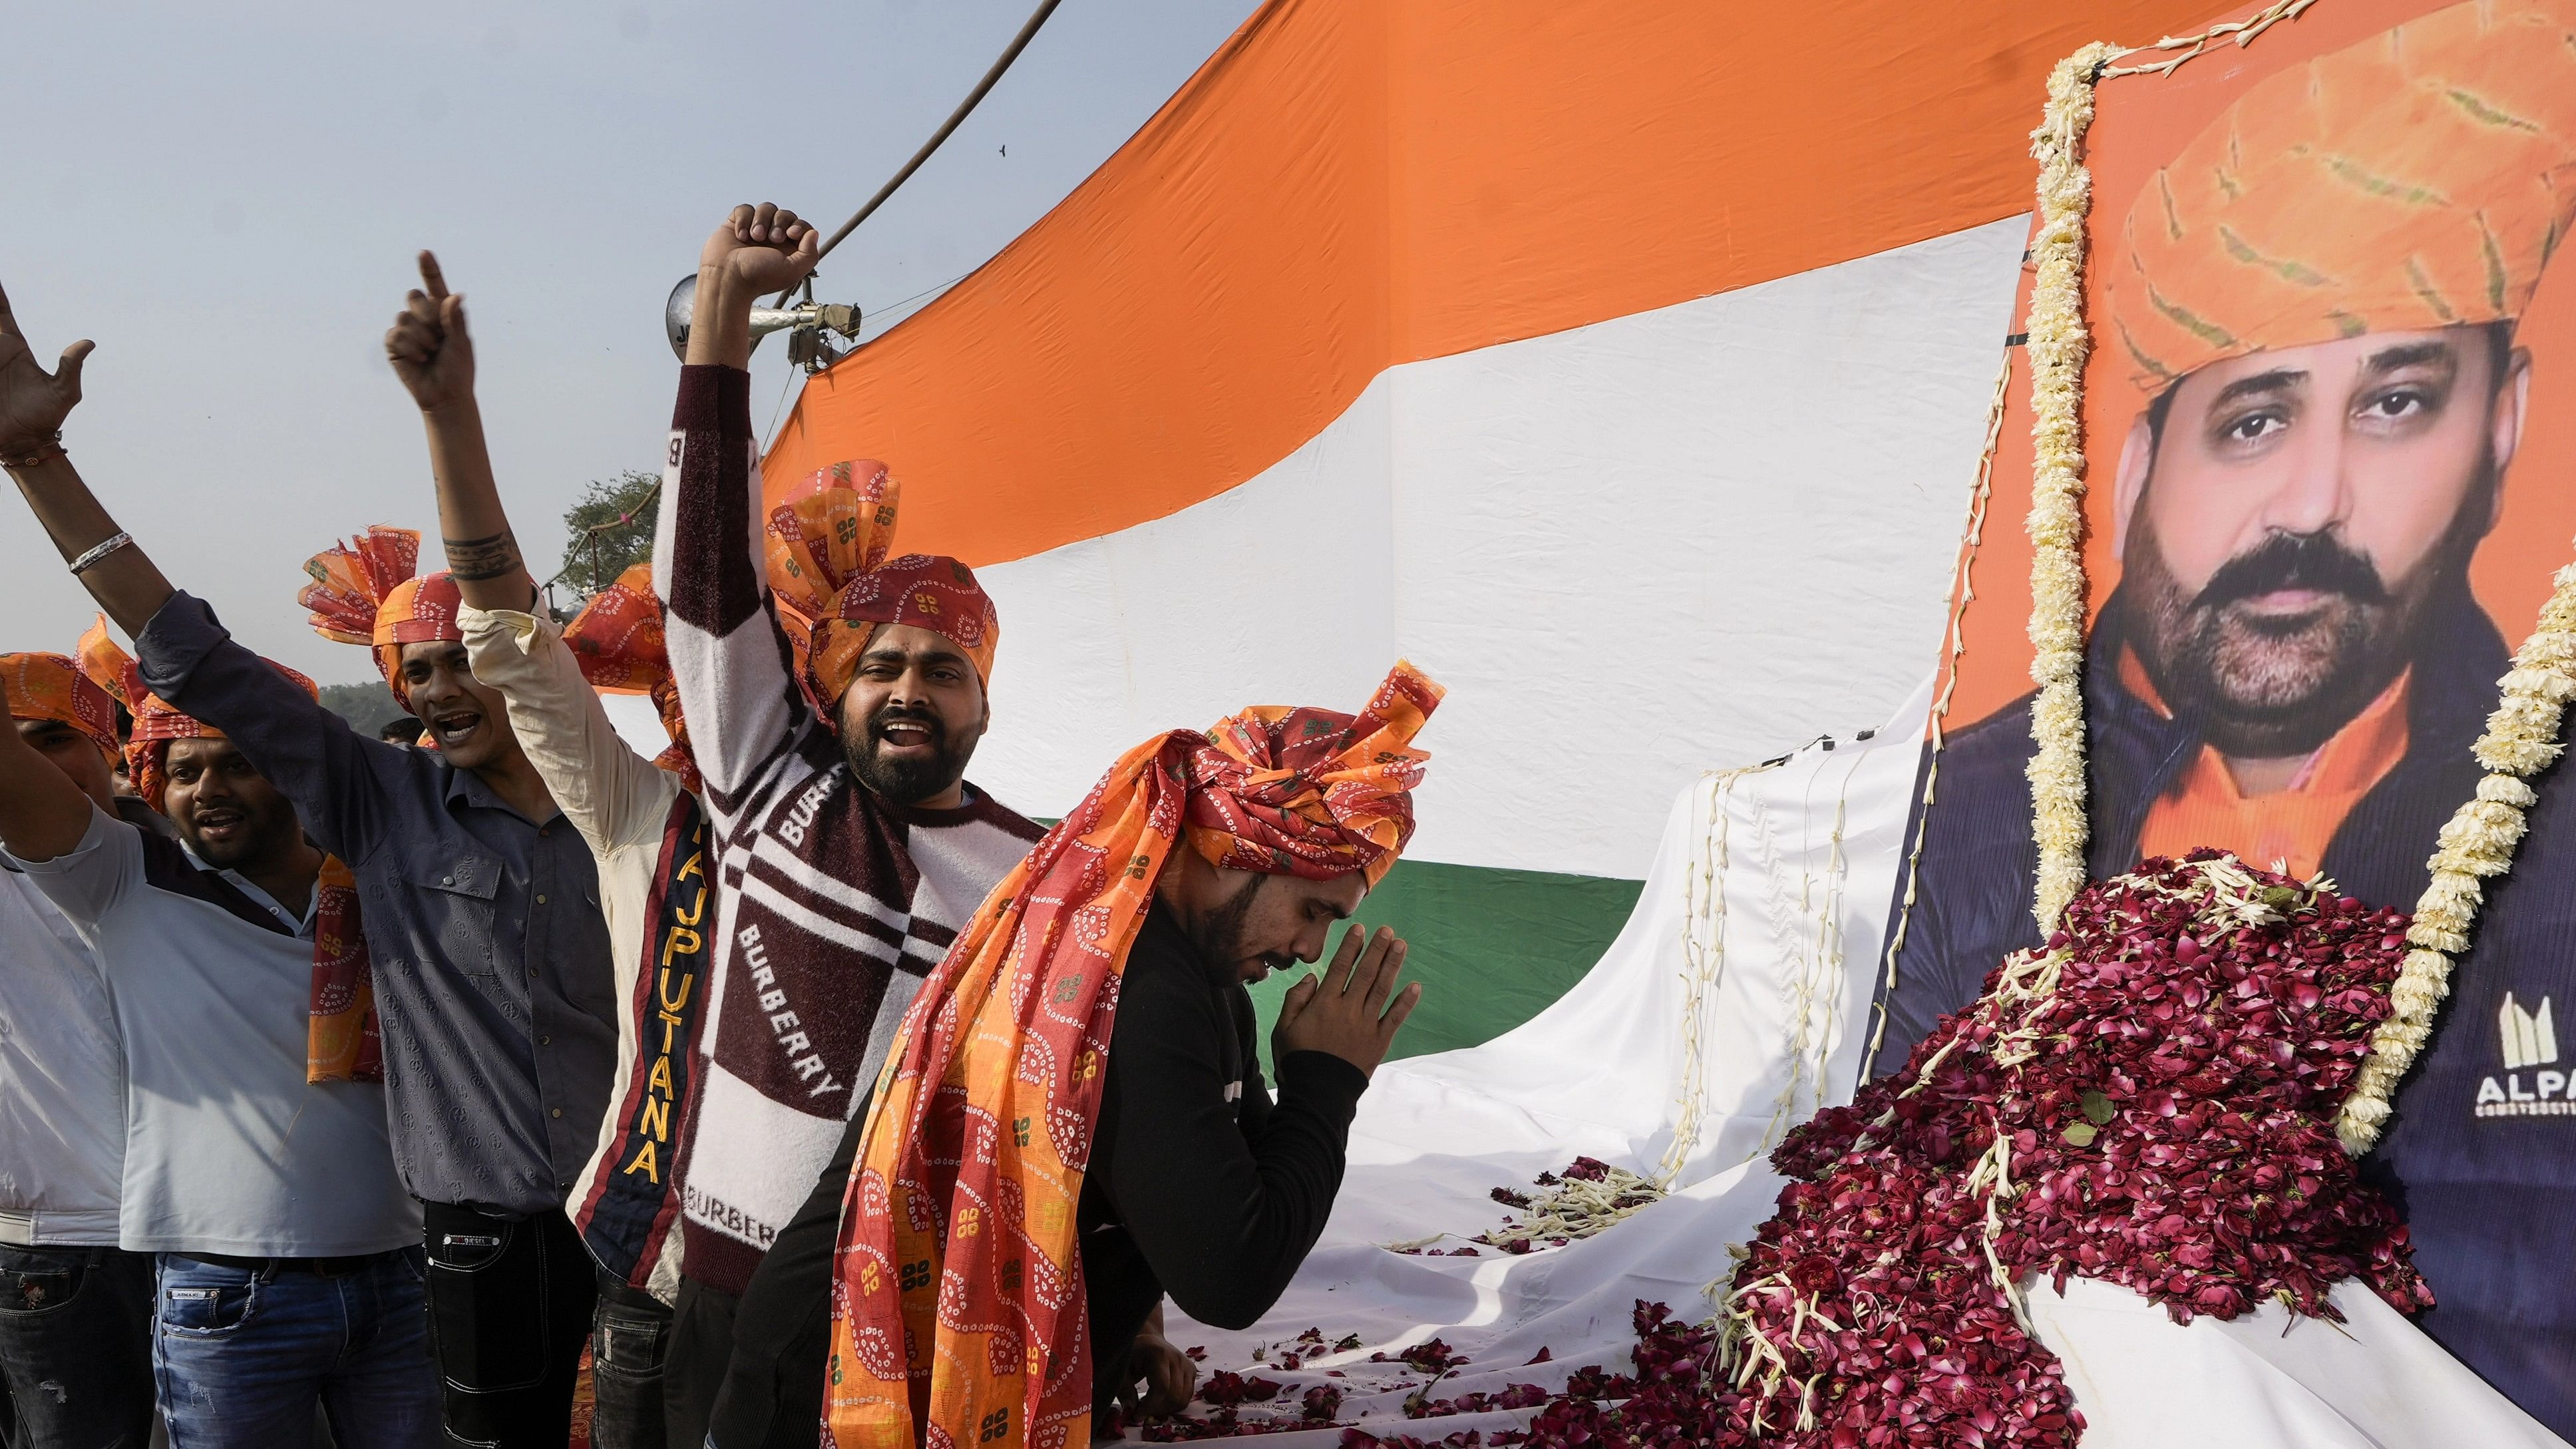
(76, 1346)
(244, 1353)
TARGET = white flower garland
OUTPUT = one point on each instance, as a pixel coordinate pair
(2478, 842)
(1963, 592)
(2058, 346)
(2522, 734)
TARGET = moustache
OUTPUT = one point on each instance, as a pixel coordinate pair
(888, 714)
(2293, 561)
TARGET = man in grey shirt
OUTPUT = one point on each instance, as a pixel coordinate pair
(491, 961)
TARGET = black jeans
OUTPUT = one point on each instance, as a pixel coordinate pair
(509, 1311)
(76, 1346)
(628, 1341)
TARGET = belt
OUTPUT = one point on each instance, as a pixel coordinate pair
(271, 1267)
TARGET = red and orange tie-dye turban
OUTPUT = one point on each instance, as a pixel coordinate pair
(978, 1133)
(834, 585)
(51, 686)
(617, 640)
(342, 1043)
(363, 592)
(2420, 179)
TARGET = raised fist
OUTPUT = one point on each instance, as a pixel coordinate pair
(428, 345)
(761, 249)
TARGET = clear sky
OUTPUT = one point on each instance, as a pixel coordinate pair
(228, 200)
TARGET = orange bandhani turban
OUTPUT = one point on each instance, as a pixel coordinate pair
(363, 592)
(2418, 180)
(1310, 792)
(50, 686)
(834, 585)
(617, 640)
(156, 723)
(342, 1043)
(341, 1040)
(979, 1131)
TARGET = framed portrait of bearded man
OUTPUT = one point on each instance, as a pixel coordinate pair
(2329, 423)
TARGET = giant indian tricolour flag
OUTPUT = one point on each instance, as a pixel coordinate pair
(1623, 365)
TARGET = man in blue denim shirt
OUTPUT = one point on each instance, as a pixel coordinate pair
(491, 961)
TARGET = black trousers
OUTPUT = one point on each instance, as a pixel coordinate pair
(629, 1340)
(772, 1393)
(702, 1325)
(76, 1347)
(509, 1310)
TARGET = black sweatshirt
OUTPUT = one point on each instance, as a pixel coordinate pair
(1200, 1186)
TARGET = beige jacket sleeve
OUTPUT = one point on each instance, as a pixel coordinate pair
(614, 796)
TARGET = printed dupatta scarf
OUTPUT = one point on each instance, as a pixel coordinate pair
(957, 1300)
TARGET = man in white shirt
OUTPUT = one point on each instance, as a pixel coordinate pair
(75, 1309)
(288, 1260)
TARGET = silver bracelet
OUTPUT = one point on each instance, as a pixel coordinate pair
(95, 555)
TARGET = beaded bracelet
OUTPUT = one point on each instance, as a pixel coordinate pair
(50, 448)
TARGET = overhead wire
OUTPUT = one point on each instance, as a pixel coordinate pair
(1028, 31)
(965, 108)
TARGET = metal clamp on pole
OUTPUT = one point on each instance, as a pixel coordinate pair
(809, 325)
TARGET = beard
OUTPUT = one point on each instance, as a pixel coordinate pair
(265, 832)
(2265, 685)
(1220, 935)
(904, 781)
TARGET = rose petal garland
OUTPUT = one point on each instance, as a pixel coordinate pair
(2143, 1100)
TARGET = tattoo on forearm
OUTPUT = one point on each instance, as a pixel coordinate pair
(472, 560)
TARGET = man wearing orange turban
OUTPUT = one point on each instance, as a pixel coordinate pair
(2313, 309)
(1076, 1096)
(644, 824)
(835, 694)
(1074, 1124)
(489, 956)
(251, 1159)
(79, 1369)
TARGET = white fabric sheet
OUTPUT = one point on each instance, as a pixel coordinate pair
(1799, 908)
(1718, 523)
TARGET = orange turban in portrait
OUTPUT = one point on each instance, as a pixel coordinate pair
(617, 640)
(363, 592)
(833, 584)
(2420, 179)
(50, 686)
(957, 1302)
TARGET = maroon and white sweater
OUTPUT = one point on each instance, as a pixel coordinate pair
(832, 902)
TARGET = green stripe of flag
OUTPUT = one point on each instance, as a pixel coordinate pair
(1492, 948)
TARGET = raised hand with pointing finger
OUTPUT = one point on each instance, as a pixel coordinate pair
(428, 345)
